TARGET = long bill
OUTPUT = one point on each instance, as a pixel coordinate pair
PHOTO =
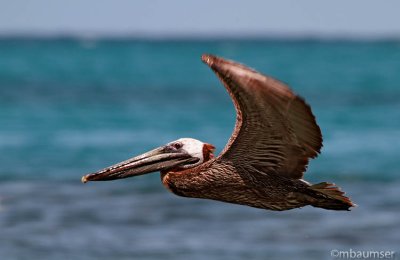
(152, 161)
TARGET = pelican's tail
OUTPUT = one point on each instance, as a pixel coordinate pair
(329, 196)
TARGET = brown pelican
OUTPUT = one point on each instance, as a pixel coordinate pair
(263, 163)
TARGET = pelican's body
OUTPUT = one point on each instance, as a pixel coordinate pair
(224, 182)
(263, 163)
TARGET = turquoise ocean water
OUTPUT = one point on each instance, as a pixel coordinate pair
(68, 107)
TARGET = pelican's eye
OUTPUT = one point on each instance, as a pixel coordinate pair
(174, 147)
(177, 146)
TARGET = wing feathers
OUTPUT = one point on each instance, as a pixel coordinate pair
(275, 129)
(305, 126)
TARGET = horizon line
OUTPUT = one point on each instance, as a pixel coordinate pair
(201, 36)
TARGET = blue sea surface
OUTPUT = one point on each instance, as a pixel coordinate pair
(70, 106)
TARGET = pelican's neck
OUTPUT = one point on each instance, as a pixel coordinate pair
(184, 181)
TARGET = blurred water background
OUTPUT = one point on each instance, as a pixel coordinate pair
(69, 106)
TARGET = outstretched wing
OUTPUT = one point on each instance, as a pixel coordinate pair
(275, 129)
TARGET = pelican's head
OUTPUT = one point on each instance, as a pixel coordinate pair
(178, 155)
